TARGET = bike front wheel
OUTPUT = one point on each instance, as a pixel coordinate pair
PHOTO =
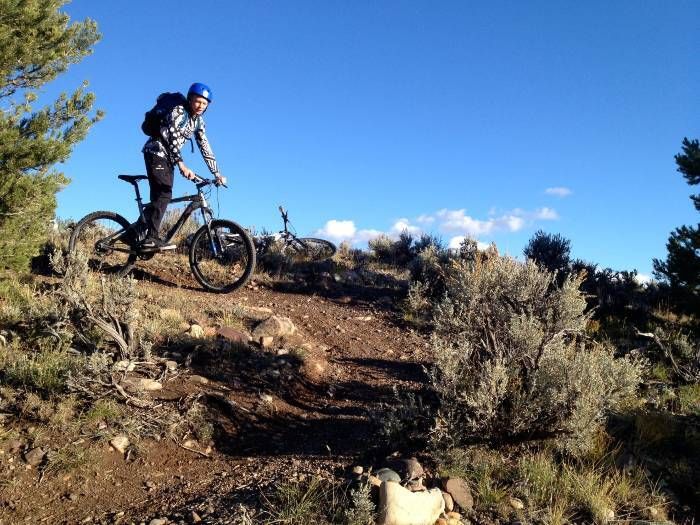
(222, 256)
(311, 249)
(105, 238)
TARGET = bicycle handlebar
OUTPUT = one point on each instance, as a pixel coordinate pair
(200, 182)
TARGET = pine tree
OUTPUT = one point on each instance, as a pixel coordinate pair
(37, 43)
(550, 251)
(681, 269)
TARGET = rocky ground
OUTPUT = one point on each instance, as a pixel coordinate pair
(285, 406)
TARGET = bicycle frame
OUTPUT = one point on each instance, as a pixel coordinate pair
(196, 202)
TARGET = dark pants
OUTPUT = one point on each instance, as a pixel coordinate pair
(160, 179)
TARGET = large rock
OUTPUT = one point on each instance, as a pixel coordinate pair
(254, 313)
(275, 326)
(408, 468)
(35, 456)
(387, 474)
(400, 506)
(232, 335)
(460, 492)
(141, 384)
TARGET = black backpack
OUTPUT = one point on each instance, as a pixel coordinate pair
(154, 117)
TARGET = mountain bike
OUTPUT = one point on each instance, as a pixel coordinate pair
(297, 248)
(221, 252)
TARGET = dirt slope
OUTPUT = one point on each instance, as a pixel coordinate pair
(277, 415)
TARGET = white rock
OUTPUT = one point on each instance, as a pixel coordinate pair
(195, 331)
(267, 398)
(123, 366)
(266, 341)
(254, 313)
(275, 326)
(141, 384)
(516, 503)
(400, 506)
(199, 379)
(120, 443)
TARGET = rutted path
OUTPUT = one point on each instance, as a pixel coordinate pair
(277, 415)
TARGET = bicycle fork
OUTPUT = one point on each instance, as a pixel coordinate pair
(212, 244)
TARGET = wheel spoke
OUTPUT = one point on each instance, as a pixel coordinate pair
(222, 257)
(103, 238)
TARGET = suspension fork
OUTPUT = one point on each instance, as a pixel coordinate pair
(206, 216)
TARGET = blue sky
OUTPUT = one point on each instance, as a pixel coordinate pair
(492, 119)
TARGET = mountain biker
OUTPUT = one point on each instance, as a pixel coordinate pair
(162, 153)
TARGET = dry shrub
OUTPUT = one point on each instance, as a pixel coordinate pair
(399, 252)
(188, 228)
(512, 363)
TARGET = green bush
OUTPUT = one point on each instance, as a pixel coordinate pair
(44, 371)
(512, 362)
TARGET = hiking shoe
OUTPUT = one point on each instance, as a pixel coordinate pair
(153, 244)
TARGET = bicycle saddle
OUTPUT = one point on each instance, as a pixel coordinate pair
(132, 178)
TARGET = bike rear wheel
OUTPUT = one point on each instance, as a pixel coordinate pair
(310, 249)
(104, 237)
(222, 256)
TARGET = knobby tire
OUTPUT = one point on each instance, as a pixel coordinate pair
(100, 236)
(235, 262)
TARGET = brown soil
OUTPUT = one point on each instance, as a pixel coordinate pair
(351, 351)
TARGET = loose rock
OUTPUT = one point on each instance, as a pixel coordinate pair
(275, 326)
(120, 443)
(232, 335)
(408, 468)
(196, 331)
(35, 456)
(141, 384)
(516, 503)
(123, 366)
(460, 492)
(266, 341)
(199, 379)
(386, 474)
(449, 502)
(400, 506)
(254, 313)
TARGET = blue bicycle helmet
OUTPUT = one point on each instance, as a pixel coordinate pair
(201, 90)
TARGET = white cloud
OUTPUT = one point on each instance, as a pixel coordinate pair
(558, 191)
(457, 240)
(546, 214)
(338, 230)
(363, 236)
(345, 230)
(458, 221)
(454, 222)
(402, 225)
(643, 278)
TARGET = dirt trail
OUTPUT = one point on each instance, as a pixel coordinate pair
(277, 416)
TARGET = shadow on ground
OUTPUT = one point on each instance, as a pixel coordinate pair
(301, 416)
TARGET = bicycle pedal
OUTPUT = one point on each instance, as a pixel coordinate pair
(166, 248)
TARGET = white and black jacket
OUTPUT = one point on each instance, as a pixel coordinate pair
(177, 127)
